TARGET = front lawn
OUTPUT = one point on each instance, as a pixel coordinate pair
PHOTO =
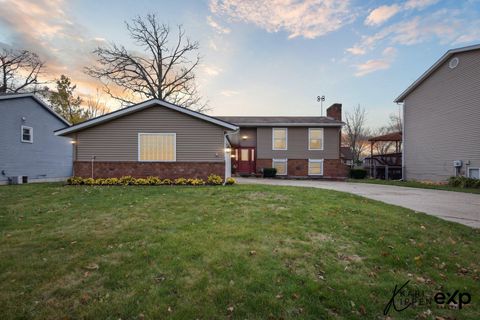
(416, 184)
(242, 252)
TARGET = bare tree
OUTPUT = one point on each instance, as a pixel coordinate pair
(159, 71)
(19, 71)
(356, 132)
(395, 123)
(95, 107)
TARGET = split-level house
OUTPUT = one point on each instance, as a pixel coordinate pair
(157, 138)
(298, 147)
(441, 112)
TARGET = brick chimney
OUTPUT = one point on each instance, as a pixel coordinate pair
(335, 111)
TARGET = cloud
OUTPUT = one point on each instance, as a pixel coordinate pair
(356, 50)
(446, 26)
(419, 4)
(211, 70)
(381, 14)
(388, 55)
(229, 93)
(216, 26)
(307, 18)
(44, 27)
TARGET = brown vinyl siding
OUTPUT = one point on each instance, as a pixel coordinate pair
(442, 120)
(117, 140)
(297, 144)
(251, 140)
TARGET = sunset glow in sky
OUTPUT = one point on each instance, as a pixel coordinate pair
(262, 57)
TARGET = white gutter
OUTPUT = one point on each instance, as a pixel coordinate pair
(227, 154)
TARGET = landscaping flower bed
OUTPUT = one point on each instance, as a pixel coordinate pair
(213, 180)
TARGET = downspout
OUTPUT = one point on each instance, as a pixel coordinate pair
(227, 155)
(402, 105)
(93, 161)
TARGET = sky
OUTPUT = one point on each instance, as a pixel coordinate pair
(261, 57)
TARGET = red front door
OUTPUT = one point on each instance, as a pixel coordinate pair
(246, 160)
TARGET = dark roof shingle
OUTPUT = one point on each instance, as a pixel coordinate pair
(267, 121)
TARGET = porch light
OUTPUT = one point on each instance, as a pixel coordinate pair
(228, 149)
(244, 137)
(73, 141)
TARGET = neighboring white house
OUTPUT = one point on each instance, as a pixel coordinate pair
(30, 151)
(441, 111)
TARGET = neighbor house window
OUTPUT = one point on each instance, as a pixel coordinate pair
(315, 139)
(156, 146)
(279, 138)
(27, 134)
(315, 167)
(281, 166)
(474, 173)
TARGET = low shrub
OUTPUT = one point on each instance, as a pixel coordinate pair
(149, 181)
(269, 172)
(214, 180)
(126, 180)
(166, 182)
(358, 173)
(154, 181)
(230, 181)
(180, 181)
(464, 182)
(195, 182)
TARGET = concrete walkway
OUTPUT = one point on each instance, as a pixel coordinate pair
(459, 207)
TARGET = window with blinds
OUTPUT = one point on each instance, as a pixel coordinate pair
(315, 139)
(156, 147)
(281, 166)
(315, 167)
(279, 137)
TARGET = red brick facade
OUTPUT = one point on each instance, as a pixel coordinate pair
(332, 168)
(335, 111)
(170, 170)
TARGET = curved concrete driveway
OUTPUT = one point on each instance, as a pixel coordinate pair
(459, 207)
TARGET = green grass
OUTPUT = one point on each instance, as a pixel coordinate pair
(242, 252)
(416, 184)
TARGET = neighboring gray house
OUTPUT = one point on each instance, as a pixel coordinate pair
(29, 147)
(441, 112)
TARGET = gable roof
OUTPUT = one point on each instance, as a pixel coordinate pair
(282, 121)
(38, 100)
(140, 106)
(435, 66)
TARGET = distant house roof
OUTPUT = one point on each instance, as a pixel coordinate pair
(38, 100)
(346, 153)
(394, 136)
(281, 121)
(435, 66)
(140, 106)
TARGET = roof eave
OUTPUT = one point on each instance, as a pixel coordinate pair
(291, 124)
(430, 70)
(138, 107)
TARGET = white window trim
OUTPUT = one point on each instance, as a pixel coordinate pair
(286, 165)
(157, 133)
(323, 138)
(470, 168)
(286, 138)
(315, 161)
(31, 134)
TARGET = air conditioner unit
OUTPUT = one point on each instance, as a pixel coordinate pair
(457, 163)
(16, 180)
